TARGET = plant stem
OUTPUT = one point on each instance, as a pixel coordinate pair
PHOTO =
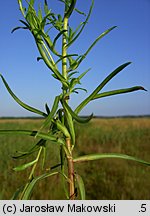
(70, 170)
(64, 49)
(68, 140)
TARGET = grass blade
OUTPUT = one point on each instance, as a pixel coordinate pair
(102, 84)
(91, 157)
(119, 91)
(29, 133)
(25, 106)
(81, 186)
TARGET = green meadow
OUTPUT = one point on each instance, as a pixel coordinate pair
(104, 179)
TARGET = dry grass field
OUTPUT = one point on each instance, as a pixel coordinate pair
(104, 179)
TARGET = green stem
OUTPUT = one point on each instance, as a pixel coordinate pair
(68, 140)
(71, 187)
(64, 49)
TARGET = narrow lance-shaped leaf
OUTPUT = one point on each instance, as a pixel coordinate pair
(82, 57)
(75, 81)
(31, 17)
(40, 14)
(29, 133)
(49, 42)
(21, 7)
(25, 23)
(31, 185)
(80, 12)
(51, 114)
(72, 73)
(102, 84)
(62, 57)
(84, 24)
(70, 9)
(17, 28)
(24, 166)
(118, 91)
(76, 117)
(23, 154)
(30, 9)
(80, 186)
(91, 157)
(84, 73)
(94, 43)
(73, 63)
(43, 23)
(72, 33)
(25, 106)
(27, 26)
(75, 90)
(70, 126)
(45, 52)
(47, 109)
(46, 7)
(50, 64)
(58, 36)
(62, 128)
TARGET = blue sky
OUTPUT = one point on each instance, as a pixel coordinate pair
(32, 82)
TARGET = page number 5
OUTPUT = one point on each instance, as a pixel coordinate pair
(143, 208)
